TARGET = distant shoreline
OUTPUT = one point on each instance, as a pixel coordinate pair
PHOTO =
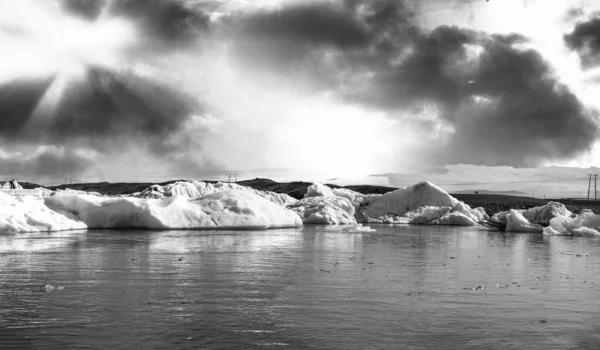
(492, 203)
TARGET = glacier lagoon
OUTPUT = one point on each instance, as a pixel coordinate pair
(314, 287)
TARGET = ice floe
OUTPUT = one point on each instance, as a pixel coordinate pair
(532, 220)
(423, 203)
(586, 224)
(205, 205)
(197, 189)
(219, 210)
(325, 210)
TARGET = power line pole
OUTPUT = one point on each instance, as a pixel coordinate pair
(590, 186)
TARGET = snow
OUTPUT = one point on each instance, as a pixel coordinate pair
(11, 185)
(325, 210)
(411, 198)
(423, 203)
(532, 219)
(196, 189)
(219, 210)
(318, 190)
(30, 214)
(354, 197)
(586, 224)
(517, 222)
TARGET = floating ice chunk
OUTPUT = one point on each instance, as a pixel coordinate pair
(72, 191)
(543, 214)
(224, 209)
(30, 214)
(402, 201)
(475, 214)
(423, 203)
(354, 197)
(537, 217)
(318, 190)
(586, 224)
(11, 185)
(196, 189)
(325, 210)
(425, 215)
(516, 222)
(455, 219)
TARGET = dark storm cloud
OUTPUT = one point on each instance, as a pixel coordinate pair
(502, 100)
(18, 100)
(87, 9)
(50, 162)
(528, 116)
(100, 109)
(585, 39)
(310, 25)
(164, 23)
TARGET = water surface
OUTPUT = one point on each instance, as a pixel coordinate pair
(402, 287)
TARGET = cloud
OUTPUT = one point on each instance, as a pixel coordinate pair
(163, 24)
(47, 162)
(100, 104)
(86, 9)
(585, 40)
(18, 100)
(485, 99)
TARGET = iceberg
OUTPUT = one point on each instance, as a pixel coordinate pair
(11, 185)
(30, 214)
(325, 210)
(517, 222)
(197, 189)
(423, 203)
(530, 220)
(318, 190)
(586, 224)
(219, 210)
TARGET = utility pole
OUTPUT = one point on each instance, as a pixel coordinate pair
(590, 186)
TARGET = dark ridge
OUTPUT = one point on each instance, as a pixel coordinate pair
(112, 189)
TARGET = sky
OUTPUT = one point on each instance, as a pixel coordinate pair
(469, 94)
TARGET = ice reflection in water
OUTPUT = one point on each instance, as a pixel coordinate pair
(400, 287)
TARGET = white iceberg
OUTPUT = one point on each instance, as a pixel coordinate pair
(325, 210)
(586, 224)
(11, 185)
(517, 222)
(530, 220)
(203, 205)
(318, 190)
(197, 189)
(30, 214)
(423, 203)
(219, 210)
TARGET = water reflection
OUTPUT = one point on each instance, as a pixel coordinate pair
(399, 287)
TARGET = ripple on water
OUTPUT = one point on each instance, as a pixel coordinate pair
(399, 287)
